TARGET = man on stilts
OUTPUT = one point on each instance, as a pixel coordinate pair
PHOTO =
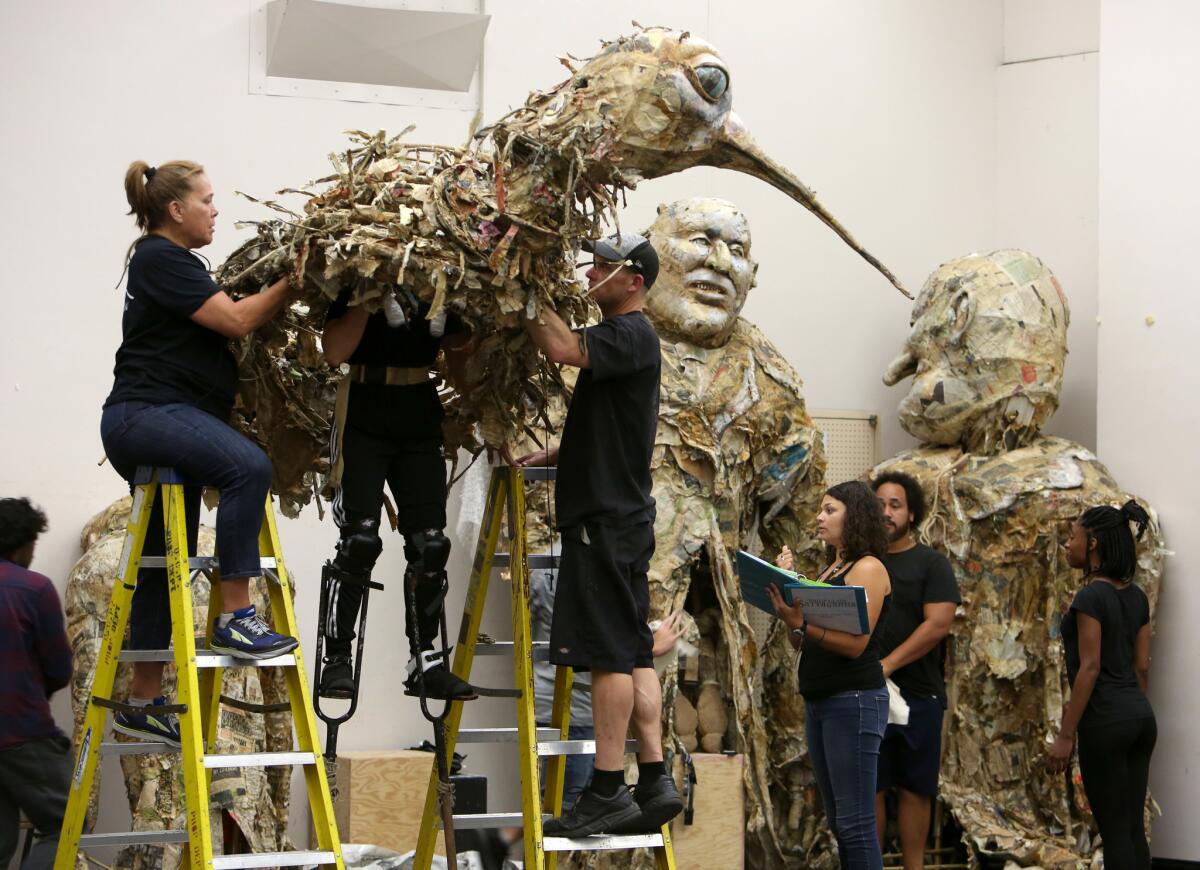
(388, 429)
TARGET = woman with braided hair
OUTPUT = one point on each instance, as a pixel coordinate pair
(1106, 640)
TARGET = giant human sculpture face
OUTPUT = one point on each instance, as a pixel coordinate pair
(986, 351)
(705, 270)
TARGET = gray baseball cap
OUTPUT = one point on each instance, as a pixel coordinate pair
(628, 249)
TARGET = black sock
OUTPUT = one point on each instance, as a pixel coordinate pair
(607, 783)
(651, 770)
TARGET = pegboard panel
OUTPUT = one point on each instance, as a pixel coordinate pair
(851, 450)
(851, 443)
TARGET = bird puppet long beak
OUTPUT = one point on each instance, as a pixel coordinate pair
(736, 149)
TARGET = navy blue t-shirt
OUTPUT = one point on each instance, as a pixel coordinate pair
(165, 357)
(607, 441)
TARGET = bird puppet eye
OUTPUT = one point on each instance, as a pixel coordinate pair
(713, 80)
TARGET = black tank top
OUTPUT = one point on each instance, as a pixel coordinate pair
(823, 673)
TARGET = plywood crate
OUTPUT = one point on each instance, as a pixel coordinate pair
(381, 796)
(716, 838)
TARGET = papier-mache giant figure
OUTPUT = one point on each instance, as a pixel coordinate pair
(737, 464)
(490, 233)
(986, 352)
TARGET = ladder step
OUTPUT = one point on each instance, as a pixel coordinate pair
(259, 759)
(481, 821)
(576, 747)
(132, 838)
(196, 563)
(271, 859)
(605, 842)
(144, 747)
(535, 560)
(499, 735)
(206, 658)
(540, 472)
(541, 649)
(249, 759)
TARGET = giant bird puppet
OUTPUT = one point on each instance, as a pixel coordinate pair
(491, 231)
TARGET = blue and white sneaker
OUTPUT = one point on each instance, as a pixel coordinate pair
(247, 636)
(149, 725)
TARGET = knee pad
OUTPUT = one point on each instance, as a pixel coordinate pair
(359, 547)
(427, 553)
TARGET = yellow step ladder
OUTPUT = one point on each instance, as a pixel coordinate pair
(506, 494)
(198, 694)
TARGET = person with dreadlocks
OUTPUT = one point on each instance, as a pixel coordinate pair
(1106, 640)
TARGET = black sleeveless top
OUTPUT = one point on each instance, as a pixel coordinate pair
(823, 673)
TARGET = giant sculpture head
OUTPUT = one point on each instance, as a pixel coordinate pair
(986, 352)
(705, 270)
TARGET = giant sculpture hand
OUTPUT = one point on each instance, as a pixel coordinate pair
(491, 231)
(986, 352)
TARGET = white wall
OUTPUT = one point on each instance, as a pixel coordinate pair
(1147, 374)
(1047, 96)
(888, 110)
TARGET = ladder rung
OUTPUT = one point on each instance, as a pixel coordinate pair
(259, 759)
(132, 838)
(540, 472)
(499, 735)
(541, 649)
(271, 859)
(576, 747)
(196, 563)
(606, 842)
(206, 658)
(143, 747)
(480, 821)
(249, 759)
(535, 560)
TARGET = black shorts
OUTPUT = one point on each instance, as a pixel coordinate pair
(910, 755)
(602, 603)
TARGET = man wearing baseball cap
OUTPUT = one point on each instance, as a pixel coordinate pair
(606, 521)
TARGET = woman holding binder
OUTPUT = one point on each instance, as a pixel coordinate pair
(840, 677)
(1106, 641)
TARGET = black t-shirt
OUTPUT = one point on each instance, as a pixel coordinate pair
(604, 456)
(412, 411)
(920, 575)
(165, 357)
(1121, 614)
(822, 673)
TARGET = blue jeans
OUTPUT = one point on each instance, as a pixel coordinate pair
(204, 449)
(579, 767)
(844, 732)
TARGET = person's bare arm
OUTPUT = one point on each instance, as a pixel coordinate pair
(872, 576)
(342, 336)
(1081, 690)
(238, 319)
(560, 345)
(1141, 657)
(939, 615)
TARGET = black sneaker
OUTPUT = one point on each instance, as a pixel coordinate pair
(440, 685)
(149, 725)
(658, 801)
(337, 677)
(593, 814)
